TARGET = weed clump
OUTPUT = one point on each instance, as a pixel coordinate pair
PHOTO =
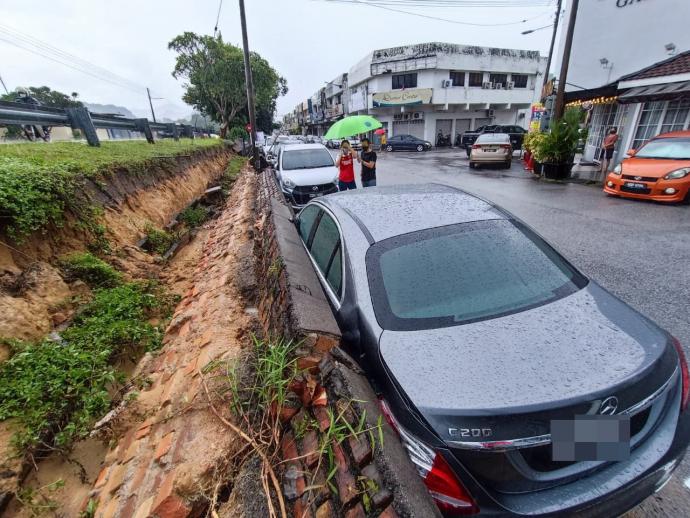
(90, 269)
(157, 240)
(192, 217)
(232, 173)
(57, 388)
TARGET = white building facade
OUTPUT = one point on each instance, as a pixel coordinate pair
(433, 88)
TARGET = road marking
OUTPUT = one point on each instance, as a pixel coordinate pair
(687, 482)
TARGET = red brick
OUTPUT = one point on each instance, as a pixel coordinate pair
(129, 507)
(102, 477)
(322, 417)
(144, 508)
(116, 477)
(139, 475)
(347, 486)
(142, 432)
(302, 509)
(309, 447)
(288, 446)
(356, 512)
(324, 344)
(164, 446)
(124, 445)
(389, 512)
(325, 510)
(361, 450)
(287, 413)
(310, 363)
(167, 504)
(319, 398)
(109, 510)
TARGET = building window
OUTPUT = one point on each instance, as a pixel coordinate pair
(476, 79)
(648, 126)
(458, 78)
(676, 117)
(401, 81)
(603, 119)
(519, 80)
(498, 78)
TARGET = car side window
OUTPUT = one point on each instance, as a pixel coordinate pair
(325, 249)
(306, 221)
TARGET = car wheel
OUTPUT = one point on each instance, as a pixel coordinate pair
(420, 148)
(389, 148)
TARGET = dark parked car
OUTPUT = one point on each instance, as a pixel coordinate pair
(517, 135)
(407, 143)
(483, 343)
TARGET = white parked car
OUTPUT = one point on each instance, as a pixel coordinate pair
(305, 172)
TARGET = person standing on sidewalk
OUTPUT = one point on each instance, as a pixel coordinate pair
(384, 142)
(346, 166)
(608, 148)
(368, 160)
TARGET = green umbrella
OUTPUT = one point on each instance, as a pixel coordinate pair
(353, 125)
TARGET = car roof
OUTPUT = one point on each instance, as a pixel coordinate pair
(299, 145)
(383, 212)
(674, 134)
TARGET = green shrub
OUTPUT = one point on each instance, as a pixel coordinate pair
(90, 269)
(158, 241)
(238, 132)
(232, 172)
(57, 389)
(193, 216)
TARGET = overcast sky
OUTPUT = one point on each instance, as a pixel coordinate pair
(307, 41)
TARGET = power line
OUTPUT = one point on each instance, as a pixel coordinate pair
(48, 51)
(215, 28)
(436, 18)
(460, 3)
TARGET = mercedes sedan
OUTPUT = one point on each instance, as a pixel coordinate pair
(518, 386)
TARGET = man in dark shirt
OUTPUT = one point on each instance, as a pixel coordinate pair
(368, 159)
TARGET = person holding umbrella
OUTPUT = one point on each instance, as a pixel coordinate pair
(346, 165)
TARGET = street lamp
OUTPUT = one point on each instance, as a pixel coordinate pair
(530, 31)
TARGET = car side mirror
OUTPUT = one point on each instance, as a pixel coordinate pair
(631, 152)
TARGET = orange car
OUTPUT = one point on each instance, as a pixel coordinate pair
(659, 170)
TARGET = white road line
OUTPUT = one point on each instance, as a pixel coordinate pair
(687, 482)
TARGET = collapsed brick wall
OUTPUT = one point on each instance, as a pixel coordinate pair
(293, 305)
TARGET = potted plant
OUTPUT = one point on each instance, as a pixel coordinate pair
(556, 151)
(532, 143)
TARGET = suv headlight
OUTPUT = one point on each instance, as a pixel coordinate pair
(678, 173)
(289, 184)
(618, 169)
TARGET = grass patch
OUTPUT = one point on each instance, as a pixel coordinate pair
(38, 182)
(192, 217)
(232, 173)
(90, 269)
(157, 240)
(57, 389)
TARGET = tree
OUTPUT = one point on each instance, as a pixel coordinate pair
(48, 97)
(214, 74)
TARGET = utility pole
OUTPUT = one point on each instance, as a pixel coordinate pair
(559, 107)
(250, 90)
(4, 86)
(153, 114)
(553, 41)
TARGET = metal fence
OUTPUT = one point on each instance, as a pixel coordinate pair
(21, 114)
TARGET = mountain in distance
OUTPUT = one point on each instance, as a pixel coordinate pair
(110, 109)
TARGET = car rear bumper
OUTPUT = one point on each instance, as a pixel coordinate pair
(615, 184)
(611, 491)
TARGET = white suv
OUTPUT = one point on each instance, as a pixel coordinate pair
(305, 172)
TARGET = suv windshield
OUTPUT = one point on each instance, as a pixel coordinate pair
(306, 159)
(464, 273)
(672, 148)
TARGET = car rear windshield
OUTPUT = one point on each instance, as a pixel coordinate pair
(306, 159)
(671, 148)
(493, 138)
(464, 273)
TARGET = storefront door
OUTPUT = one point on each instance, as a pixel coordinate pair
(444, 127)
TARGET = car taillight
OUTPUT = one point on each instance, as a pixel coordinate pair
(505, 146)
(684, 373)
(450, 495)
(476, 146)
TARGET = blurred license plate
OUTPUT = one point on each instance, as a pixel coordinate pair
(591, 438)
(635, 185)
(487, 148)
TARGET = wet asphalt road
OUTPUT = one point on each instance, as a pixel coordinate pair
(640, 251)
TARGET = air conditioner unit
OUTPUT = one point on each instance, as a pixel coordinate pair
(498, 86)
(486, 86)
(510, 85)
(490, 113)
(398, 117)
(406, 116)
(418, 115)
(446, 83)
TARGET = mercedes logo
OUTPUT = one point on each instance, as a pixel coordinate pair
(609, 406)
(315, 188)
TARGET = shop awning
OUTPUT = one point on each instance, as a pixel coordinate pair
(664, 92)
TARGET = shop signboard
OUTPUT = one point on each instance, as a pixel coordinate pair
(538, 111)
(403, 97)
